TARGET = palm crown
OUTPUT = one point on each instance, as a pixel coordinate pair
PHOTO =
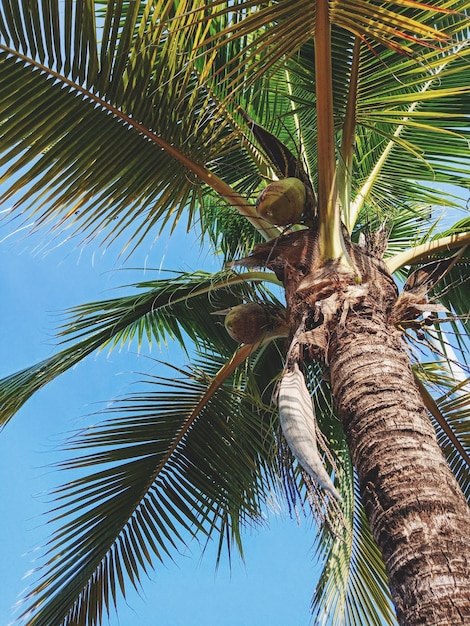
(126, 117)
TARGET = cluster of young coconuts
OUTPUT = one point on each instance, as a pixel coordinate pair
(282, 203)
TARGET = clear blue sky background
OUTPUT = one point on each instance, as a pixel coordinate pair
(275, 584)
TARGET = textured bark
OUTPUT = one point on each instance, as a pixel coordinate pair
(417, 513)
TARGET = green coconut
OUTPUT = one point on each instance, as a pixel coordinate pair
(282, 202)
(251, 322)
(247, 323)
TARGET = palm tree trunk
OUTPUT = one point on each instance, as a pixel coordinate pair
(417, 513)
(416, 510)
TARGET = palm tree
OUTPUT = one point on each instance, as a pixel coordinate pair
(123, 117)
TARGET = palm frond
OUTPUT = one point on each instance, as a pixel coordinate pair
(453, 407)
(272, 33)
(165, 309)
(78, 166)
(453, 293)
(413, 115)
(178, 308)
(353, 587)
(151, 50)
(429, 249)
(405, 111)
(448, 401)
(353, 583)
(185, 461)
(229, 233)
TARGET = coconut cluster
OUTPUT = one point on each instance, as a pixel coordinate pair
(282, 202)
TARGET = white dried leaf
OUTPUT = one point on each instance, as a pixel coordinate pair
(298, 425)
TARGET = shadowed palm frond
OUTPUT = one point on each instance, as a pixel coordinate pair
(454, 409)
(178, 308)
(447, 397)
(229, 233)
(449, 332)
(187, 457)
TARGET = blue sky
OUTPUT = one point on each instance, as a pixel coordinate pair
(275, 584)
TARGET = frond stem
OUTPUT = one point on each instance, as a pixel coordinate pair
(425, 251)
(328, 210)
(347, 139)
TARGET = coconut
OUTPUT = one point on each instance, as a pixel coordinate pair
(247, 323)
(282, 202)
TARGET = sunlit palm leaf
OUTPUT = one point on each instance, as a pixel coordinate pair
(292, 25)
(79, 168)
(405, 112)
(405, 115)
(179, 102)
(85, 153)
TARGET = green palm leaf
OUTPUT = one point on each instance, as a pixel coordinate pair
(179, 308)
(447, 401)
(352, 587)
(78, 165)
(176, 463)
(134, 43)
(120, 118)
(402, 113)
(453, 407)
(292, 25)
(400, 118)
